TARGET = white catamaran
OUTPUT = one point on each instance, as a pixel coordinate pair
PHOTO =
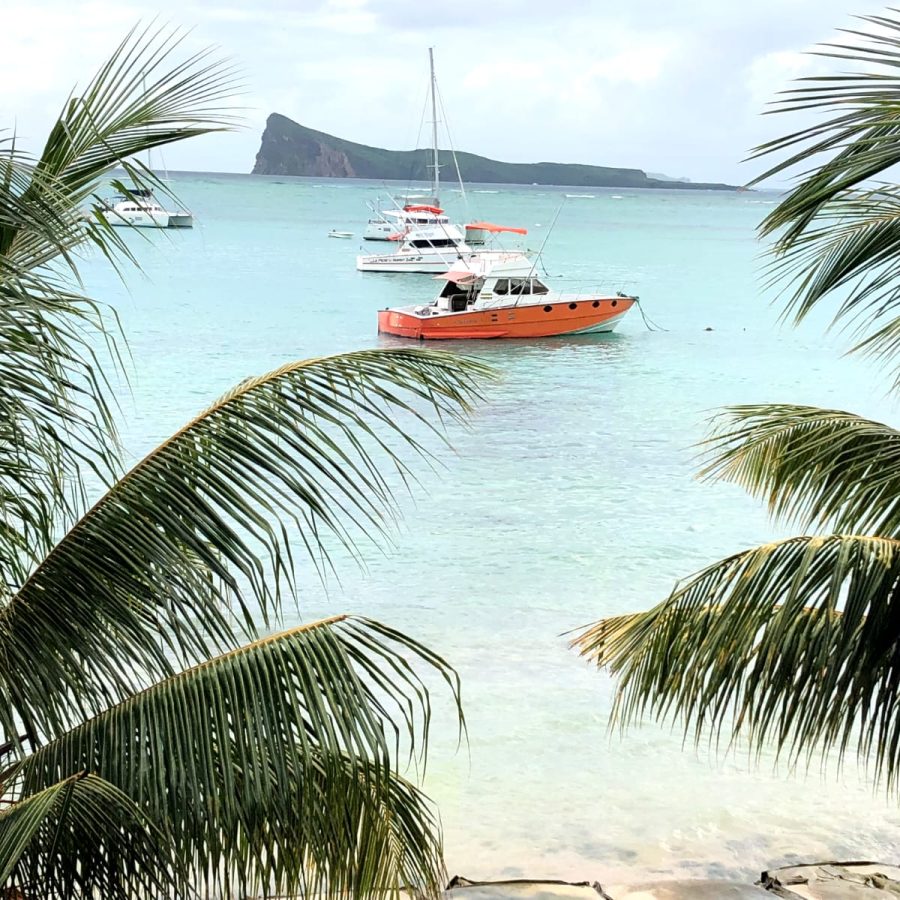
(141, 209)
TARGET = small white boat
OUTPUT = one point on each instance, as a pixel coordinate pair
(340, 234)
(143, 210)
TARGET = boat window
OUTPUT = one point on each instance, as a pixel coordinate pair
(538, 288)
(437, 242)
(502, 286)
(460, 295)
(518, 286)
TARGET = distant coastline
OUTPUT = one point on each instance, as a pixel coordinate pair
(288, 148)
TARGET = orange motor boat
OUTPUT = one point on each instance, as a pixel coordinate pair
(496, 295)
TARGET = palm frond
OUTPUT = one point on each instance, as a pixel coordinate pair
(833, 233)
(43, 214)
(191, 549)
(817, 468)
(861, 139)
(795, 643)
(54, 400)
(55, 420)
(282, 753)
(83, 838)
(850, 249)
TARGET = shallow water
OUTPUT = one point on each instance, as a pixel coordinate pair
(573, 496)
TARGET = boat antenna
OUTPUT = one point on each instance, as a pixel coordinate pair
(540, 252)
(436, 177)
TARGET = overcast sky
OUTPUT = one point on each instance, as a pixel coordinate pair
(673, 87)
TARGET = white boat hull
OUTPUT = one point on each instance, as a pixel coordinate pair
(138, 219)
(432, 263)
(426, 264)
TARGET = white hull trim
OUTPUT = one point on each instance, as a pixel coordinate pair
(150, 220)
(138, 220)
(608, 325)
(425, 267)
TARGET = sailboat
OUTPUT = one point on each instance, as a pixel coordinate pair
(414, 210)
(417, 209)
(426, 241)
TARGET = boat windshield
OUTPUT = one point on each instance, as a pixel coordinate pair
(470, 289)
(434, 242)
(520, 286)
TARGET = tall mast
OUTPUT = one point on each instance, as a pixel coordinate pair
(436, 177)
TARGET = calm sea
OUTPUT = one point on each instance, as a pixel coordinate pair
(573, 496)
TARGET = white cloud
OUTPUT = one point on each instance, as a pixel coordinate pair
(771, 73)
(667, 87)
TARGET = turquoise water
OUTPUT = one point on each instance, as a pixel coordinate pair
(572, 496)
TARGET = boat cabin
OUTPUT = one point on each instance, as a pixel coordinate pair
(458, 296)
(417, 214)
(431, 237)
(125, 206)
(141, 200)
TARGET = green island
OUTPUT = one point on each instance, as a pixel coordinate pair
(288, 148)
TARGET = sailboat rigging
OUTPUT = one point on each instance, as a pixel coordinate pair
(436, 166)
(416, 209)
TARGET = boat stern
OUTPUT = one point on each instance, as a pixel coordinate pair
(181, 220)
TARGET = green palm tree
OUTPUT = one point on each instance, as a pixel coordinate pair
(161, 737)
(796, 643)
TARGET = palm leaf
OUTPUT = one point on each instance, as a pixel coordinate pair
(850, 248)
(191, 549)
(833, 232)
(796, 643)
(860, 140)
(83, 838)
(43, 213)
(283, 750)
(54, 401)
(55, 421)
(815, 467)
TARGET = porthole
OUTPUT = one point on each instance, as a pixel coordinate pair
(615, 303)
(548, 309)
(595, 304)
(573, 306)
